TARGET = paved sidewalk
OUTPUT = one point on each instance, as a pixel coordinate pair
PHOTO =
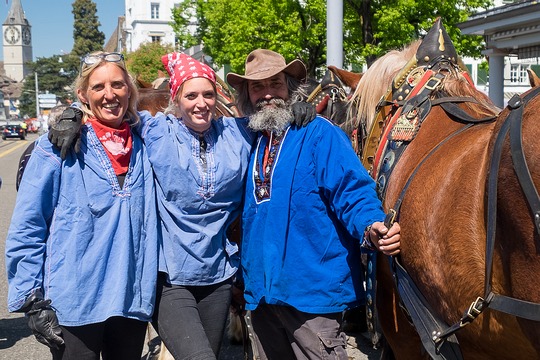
(359, 347)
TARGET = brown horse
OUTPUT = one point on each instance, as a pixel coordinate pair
(441, 190)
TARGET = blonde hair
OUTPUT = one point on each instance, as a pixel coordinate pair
(81, 83)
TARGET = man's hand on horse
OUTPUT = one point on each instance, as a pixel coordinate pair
(65, 131)
(386, 240)
(303, 113)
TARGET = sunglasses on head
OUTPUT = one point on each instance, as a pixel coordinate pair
(91, 59)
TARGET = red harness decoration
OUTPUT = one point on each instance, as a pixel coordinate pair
(418, 85)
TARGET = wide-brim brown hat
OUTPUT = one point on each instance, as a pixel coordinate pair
(263, 64)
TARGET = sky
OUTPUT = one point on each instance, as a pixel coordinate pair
(52, 23)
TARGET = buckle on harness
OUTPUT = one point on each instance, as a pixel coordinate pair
(433, 83)
(473, 311)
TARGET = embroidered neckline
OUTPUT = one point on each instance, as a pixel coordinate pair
(263, 186)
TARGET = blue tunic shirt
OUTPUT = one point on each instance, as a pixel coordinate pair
(301, 244)
(90, 245)
(199, 184)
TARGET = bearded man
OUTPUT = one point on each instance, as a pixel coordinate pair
(309, 204)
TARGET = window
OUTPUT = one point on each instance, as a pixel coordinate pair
(513, 73)
(518, 74)
(523, 76)
(154, 11)
(155, 39)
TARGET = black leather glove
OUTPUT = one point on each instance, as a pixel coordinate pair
(42, 320)
(65, 131)
(303, 113)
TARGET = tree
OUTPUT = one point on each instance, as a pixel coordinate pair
(145, 62)
(86, 34)
(55, 76)
(230, 29)
(378, 26)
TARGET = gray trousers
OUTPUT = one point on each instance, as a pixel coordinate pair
(284, 333)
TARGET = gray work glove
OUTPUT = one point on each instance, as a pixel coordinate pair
(42, 320)
(303, 113)
(65, 131)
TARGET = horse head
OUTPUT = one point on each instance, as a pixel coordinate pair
(330, 95)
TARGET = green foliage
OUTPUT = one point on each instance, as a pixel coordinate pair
(145, 62)
(230, 29)
(395, 23)
(56, 74)
(86, 34)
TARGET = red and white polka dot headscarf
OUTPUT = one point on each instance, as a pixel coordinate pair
(182, 67)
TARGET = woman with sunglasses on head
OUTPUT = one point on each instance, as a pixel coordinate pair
(82, 248)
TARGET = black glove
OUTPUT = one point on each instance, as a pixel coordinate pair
(303, 113)
(65, 131)
(42, 320)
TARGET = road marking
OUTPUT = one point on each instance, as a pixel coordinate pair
(24, 142)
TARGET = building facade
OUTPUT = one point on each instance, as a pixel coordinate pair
(148, 21)
(17, 42)
(511, 31)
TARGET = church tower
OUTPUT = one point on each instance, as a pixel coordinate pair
(17, 40)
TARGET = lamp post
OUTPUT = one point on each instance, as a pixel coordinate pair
(37, 94)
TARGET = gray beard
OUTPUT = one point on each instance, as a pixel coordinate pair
(273, 119)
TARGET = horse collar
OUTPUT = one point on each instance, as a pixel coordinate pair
(404, 123)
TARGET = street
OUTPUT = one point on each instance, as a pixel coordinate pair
(16, 340)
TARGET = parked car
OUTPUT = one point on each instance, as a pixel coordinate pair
(13, 131)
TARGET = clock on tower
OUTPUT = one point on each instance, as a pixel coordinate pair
(26, 36)
(12, 35)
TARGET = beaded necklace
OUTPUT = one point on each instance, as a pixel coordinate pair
(262, 186)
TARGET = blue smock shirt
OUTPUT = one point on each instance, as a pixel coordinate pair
(89, 245)
(302, 231)
(199, 182)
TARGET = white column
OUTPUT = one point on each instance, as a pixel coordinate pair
(496, 77)
(334, 33)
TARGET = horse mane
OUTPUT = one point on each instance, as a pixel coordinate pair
(374, 84)
(377, 80)
(457, 85)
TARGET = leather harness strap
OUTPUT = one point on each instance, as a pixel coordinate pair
(516, 307)
(437, 337)
(520, 308)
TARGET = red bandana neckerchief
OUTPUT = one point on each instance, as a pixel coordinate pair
(117, 144)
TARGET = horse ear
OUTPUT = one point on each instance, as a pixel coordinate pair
(161, 74)
(534, 80)
(141, 83)
(349, 78)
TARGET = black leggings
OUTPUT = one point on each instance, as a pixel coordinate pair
(117, 338)
(190, 319)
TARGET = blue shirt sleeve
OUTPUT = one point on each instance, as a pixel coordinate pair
(345, 182)
(29, 228)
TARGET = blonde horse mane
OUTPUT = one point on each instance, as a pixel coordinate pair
(374, 84)
(377, 80)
